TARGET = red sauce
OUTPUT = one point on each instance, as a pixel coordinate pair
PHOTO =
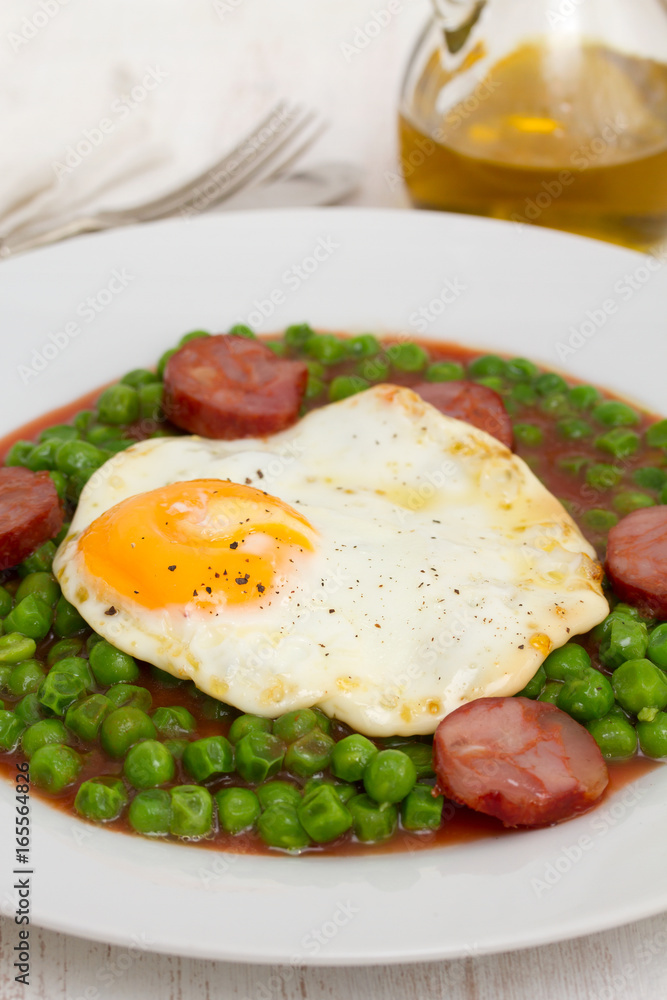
(460, 825)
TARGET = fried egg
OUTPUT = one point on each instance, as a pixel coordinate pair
(379, 560)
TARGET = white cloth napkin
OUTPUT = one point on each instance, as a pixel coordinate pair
(110, 103)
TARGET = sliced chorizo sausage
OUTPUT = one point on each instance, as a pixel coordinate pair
(30, 513)
(523, 761)
(476, 404)
(637, 560)
(232, 387)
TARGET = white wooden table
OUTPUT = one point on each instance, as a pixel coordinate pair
(325, 54)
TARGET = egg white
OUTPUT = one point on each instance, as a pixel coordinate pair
(444, 571)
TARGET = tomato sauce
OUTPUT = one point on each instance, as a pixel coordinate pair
(460, 825)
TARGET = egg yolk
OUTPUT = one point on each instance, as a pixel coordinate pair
(206, 542)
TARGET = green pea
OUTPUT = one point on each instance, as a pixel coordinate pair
(323, 816)
(639, 684)
(149, 764)
(176, 748)
(372, 823)
(101, 799)
(622, 610)
(60, 689)
(278, 347)
(111, 666)
(84, 718)
(599, 520)
(38, 561)
(78, 456)
(656, 435)
(5, 674)
(650, 477)
(282, 793)
(68, 622)
(612, 413)
(374, 369)
(574, 429)
(150, 812)
(64, 648)
(528, 434)
(657, 646)
(25, 678)
(583, 397)
(421, 809)
(119, 404)
(41, 585)
(444, 371)
(555, 404)
(60, 483)
(620, 442)
(208, 757)
(326, 348)
(407, 357)
(421, 755)
(520, 370)
(551, 692)
(259, 755)
(54, 767)
(279, 826)
(11, 727)
(6, 601)
(245, 724)
(389, 776)
(487, 364)
(193, 335)
(102, 435)
(83, 420)
(238, 809)
(365, 345)
(569, 662)
(43, 456)
(549, 382)
(343, 386)
(616, 737)
(150, 401)
(174, 721)
(653, 736)
(191, 811)
(574, 464)
(19, 453)
(31, 617)
(124, 727)
(15, 647)
(492, 382)
(138, 377)
(163, 362)
(631, 500)
(43, 733)
(587, 697)
(292, 725)
(242, 330)
(534, 686)
(314, 387)
(130, 695)
(624, 640)
(298, 335)
(522, 394)
(351, 756)
(28, 710)
(309, 754)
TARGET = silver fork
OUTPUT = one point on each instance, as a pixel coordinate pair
(280, 138)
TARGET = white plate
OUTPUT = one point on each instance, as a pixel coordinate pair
(517, 290)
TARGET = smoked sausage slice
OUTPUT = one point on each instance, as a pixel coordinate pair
(637, 560)
(476, 404)
(523, 761)
(232, 387)
(30, 513)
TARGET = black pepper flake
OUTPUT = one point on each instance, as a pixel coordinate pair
(171, 568)
(261, 588)
(195, 594)
(233, 545)
(260, 474)
(457, 591)
(224, 572)
(331, 611)
(242, 579)
(217, 576)
(248, 480)
(208, 590)
(521, 646)
(111, 611)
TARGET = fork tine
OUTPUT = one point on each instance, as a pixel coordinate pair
(233, 168)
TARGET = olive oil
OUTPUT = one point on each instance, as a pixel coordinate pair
(571, 138)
